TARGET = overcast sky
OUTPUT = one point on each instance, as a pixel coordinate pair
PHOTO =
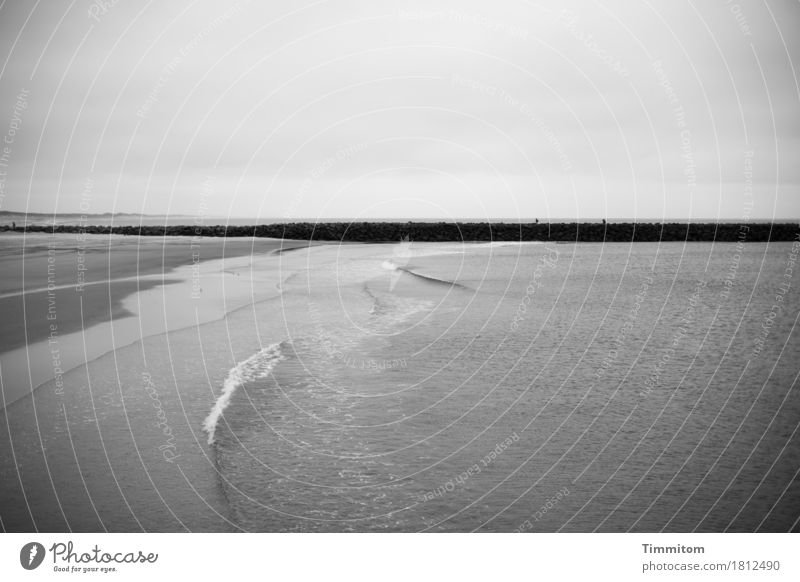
(436, 109)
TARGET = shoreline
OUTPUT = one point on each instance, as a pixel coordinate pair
(63, 328)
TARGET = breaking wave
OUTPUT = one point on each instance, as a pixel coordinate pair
(391, 266)
(259, 365)
(432, 279)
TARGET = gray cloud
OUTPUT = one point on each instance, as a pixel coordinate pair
(457, 108)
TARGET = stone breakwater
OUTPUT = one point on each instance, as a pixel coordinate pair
(456, 232)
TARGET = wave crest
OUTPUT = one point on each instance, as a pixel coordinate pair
(259, 365)
(430, 279)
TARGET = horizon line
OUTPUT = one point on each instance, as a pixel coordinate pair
(404, 218)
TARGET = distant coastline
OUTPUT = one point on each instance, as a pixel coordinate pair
(453, 231)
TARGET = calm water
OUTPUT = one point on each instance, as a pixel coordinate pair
(441, 387)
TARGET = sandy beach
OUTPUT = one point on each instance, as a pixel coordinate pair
(67, 300)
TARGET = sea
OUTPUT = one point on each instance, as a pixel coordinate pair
(440, 387)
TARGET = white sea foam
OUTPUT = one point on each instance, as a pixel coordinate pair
(259, 365)
(402, 254)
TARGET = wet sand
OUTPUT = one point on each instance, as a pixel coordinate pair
(66, 300)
